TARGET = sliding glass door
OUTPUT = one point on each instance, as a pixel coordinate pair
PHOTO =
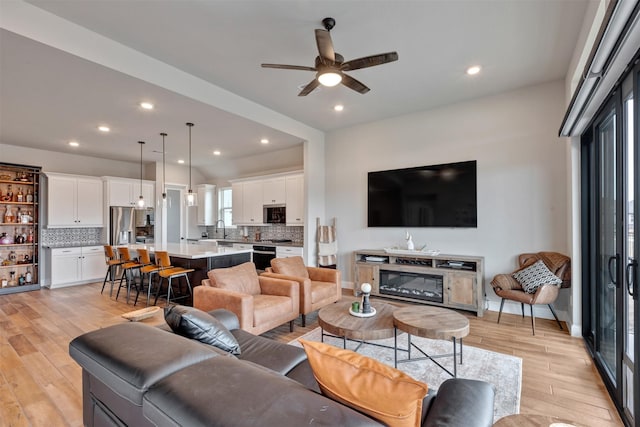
(610, 175)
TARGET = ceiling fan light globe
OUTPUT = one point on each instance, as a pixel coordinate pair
(329, 78)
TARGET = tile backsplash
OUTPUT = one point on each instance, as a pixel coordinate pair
(71, 236)
(270, 232)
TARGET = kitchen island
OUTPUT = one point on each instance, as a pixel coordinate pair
(201, 258)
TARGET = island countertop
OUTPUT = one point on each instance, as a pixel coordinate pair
(186, 251)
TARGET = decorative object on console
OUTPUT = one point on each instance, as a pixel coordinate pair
(410, 245)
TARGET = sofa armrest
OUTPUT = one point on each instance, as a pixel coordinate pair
(281, 287)
(461, 402)
(207, 298)
(546, 294)
(319, 274)
(304, 283)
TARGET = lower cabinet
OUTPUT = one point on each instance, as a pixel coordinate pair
(288, 251)
(75, 266)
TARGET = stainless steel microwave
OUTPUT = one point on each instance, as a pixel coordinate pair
(275, 214)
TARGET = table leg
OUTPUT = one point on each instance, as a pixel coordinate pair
(455, 359)
(408, 346)
(461, 351)
(321, 334)
(344, 342)
(395, 347)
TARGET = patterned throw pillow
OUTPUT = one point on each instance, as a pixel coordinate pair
(534, 276)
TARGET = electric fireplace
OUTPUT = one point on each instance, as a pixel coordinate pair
(422, 286)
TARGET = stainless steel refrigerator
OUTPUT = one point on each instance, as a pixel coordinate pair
(123, 224)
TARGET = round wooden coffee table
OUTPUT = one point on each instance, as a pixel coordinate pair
(336, 320)
(435, 323)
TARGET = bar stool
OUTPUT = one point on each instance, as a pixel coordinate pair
(129, 265)
(148, 269)
(169, 272)
(112, 261)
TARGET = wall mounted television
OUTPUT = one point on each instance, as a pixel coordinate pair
(426, 196)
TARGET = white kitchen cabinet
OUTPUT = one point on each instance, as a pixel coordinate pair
(273, 191)
(237, 211)
(77, 265)
(288, 251)
(206, 212)
(126, 192)
(74, 201)
(247, 203)
(295, 199)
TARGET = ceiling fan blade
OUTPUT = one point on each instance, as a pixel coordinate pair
(354, 84)
(369, 61)
(288, 67)
(308, 88)
(325, 47)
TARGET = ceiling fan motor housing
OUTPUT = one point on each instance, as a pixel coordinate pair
(329, 23)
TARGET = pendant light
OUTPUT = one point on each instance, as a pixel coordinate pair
(191, 197)
(164, 174)
(141, 199)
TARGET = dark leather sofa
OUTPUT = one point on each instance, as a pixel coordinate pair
(137, 375)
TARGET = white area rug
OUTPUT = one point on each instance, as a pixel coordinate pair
(501, 370)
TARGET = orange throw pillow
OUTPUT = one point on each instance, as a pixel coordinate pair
(362, 383)
(292, 266)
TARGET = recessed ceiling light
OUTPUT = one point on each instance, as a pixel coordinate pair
(338, 107)
(103, 128)
(181, 161)
(216, 153)
(146, 105)
(264, 141)
(73, 144)
(472, 71)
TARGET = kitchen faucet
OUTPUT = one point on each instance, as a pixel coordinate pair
(224, 228)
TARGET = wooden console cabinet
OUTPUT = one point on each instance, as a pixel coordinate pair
(462, 276)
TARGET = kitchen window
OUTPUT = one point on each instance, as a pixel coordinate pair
(224, 204)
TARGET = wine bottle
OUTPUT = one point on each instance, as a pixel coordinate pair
(20, 195)
(29, 196)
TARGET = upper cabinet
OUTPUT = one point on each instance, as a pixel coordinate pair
(74, 201)
(273, 191)
(126, 192)
(250, 197)
(206, 213)
(295, 199)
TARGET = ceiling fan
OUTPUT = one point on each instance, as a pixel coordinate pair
(330, 66)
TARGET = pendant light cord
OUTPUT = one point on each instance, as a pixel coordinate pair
(164, 174)
(190, 126)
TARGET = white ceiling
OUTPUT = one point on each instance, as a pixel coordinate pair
(49, 97)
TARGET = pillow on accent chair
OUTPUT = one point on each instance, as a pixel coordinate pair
(291, 266)
(362, 383)
(241, 278)
(198, 325)
(534, 276)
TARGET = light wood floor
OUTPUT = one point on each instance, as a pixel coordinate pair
(40, 385)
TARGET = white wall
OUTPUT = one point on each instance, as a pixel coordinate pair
(52, 161)
(522, 202)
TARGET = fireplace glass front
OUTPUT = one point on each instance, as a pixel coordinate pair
(426, 287)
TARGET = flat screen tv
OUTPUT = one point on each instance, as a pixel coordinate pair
(426, 196)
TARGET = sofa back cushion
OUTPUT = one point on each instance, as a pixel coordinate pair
(241, 278)
(292, 266)
(378, 390)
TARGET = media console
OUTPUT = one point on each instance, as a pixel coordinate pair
(454, 281)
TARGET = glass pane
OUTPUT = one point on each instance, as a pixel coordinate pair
(629, 224)
(606, 286)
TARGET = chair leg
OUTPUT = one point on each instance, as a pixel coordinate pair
(291, 326)
(555, 315)
(522, 307)
(104, 282)
(124, 272)
(304, 320)
(533, 320)
(501, 306)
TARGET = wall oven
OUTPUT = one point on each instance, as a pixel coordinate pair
(262, 256)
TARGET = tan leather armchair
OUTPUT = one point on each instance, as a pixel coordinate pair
(261, 303)
(318, 286)
(506, 287)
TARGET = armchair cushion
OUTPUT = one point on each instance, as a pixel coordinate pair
(201, 326)
(534, 276)
(292, 266)
(369, 386)
(242, 278)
